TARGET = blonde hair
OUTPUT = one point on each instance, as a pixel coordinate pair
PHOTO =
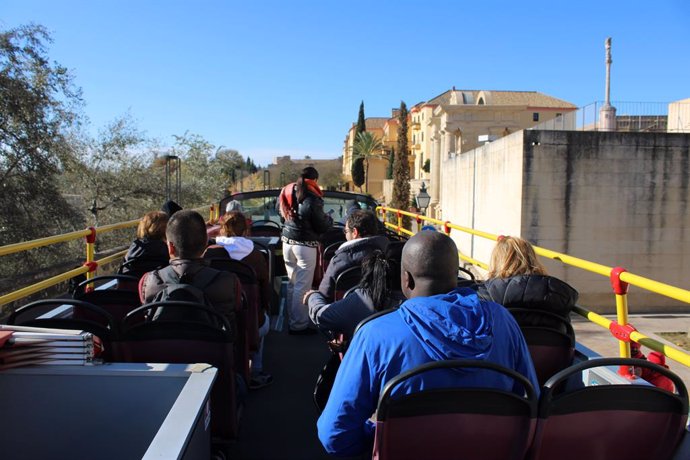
(233, 223)
(153, 225)
(514, 256)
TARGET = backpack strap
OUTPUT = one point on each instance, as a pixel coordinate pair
(166, 276)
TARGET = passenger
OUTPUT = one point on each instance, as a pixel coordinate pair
(362, 239)
(301, 209)
(372, 295)
(232, 243)
(150, 246)
(186, 240)
(518, 280)
(170, 207)
(438, 321)
(233, 205)
(350, 205)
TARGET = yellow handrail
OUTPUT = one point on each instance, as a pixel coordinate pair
(19, 247)
(34, 288)
(619, 279)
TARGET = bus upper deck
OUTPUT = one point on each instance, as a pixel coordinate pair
(278, 421)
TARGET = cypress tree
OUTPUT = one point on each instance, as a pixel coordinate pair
(391, 160)
(357, 167)
(361, 124)
(401, 166)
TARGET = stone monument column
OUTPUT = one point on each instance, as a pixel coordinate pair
(449, 147)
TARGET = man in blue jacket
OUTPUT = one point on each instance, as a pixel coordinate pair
(438, 321)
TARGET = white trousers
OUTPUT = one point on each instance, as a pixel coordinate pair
(300, 262)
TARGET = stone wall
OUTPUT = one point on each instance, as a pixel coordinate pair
(608, 197)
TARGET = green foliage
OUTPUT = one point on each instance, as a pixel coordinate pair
(391, 160)
(427, 166)
(38, 116)
(366, 145)
(401, 166)
(357, 171)
(361, 124)
(114, 177)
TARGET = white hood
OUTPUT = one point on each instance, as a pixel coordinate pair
(238, 247)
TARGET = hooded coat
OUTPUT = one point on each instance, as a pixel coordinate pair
(457, 325)
(349, 254)
(532, 292)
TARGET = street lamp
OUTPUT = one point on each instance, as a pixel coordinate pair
(422, 199)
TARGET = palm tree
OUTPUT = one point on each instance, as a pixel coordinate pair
(366, 146)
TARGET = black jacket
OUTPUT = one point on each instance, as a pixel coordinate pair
(349, 254)
(145, 248)
(537, 292)
(310, 221)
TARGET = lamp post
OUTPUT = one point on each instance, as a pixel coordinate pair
(422, 199)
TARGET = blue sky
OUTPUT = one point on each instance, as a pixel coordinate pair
(286, 77)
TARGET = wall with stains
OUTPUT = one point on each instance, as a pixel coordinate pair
(610, 197)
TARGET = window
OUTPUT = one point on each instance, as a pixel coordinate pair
(481, 101)
(535, 116)
(422, 136)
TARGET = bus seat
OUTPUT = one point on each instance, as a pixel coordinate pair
(180, 341)
(246, 310)
(328, 254)
(116, 302)
(98, 321)
(456, 422)
(604, 421)
(265, 228)
(552, 347)
(346, 280)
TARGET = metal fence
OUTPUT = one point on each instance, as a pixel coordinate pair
(630, 116)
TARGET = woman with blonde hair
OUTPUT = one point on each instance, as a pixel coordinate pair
(517, 279)
(149, 250)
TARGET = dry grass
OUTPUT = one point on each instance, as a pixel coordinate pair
(677, 338)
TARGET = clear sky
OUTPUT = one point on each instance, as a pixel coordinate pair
(286, 77)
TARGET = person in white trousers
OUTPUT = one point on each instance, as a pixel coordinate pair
(301, 209)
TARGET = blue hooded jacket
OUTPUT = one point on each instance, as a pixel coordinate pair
(457, 325)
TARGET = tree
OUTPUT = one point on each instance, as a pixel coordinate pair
(365, 147)
(357, 167)
(361, 123)
(358, 173)
(115, 175)
(391, 160)
(39, 112)
(401, 166)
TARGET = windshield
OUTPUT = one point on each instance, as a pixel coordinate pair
(261, 205)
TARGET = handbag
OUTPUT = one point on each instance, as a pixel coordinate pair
(324, 381)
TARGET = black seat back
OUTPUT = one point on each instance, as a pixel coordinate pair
(183, 341)
(346, 280)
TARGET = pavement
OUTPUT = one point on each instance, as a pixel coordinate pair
(601, 341)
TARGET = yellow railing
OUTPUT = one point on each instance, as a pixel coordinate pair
(90, 266)
(620, 279)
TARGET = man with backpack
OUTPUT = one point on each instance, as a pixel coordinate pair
(187, 278)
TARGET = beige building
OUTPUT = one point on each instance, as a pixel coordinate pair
(461, 120)
(679, 116)
(450, 123)
(385, 129)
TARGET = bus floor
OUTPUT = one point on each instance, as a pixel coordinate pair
(279, 421)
